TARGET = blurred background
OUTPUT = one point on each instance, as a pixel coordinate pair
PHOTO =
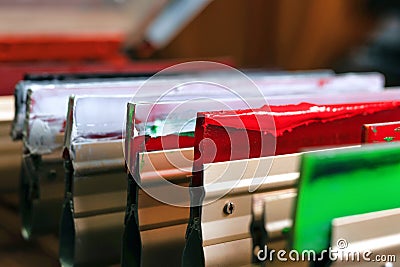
(274, 34)
(343, 35)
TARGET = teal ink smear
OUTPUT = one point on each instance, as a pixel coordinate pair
(154, 129)
(286, 231)
(189, 134)
(388, 139)
(142, 162)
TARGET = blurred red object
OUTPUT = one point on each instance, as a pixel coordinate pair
(10, 74)
(63, 54)
(66, 48)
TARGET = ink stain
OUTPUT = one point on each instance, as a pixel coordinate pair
(153, 129)
(389, 138)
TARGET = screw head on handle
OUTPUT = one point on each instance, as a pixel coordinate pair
(229, 208)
